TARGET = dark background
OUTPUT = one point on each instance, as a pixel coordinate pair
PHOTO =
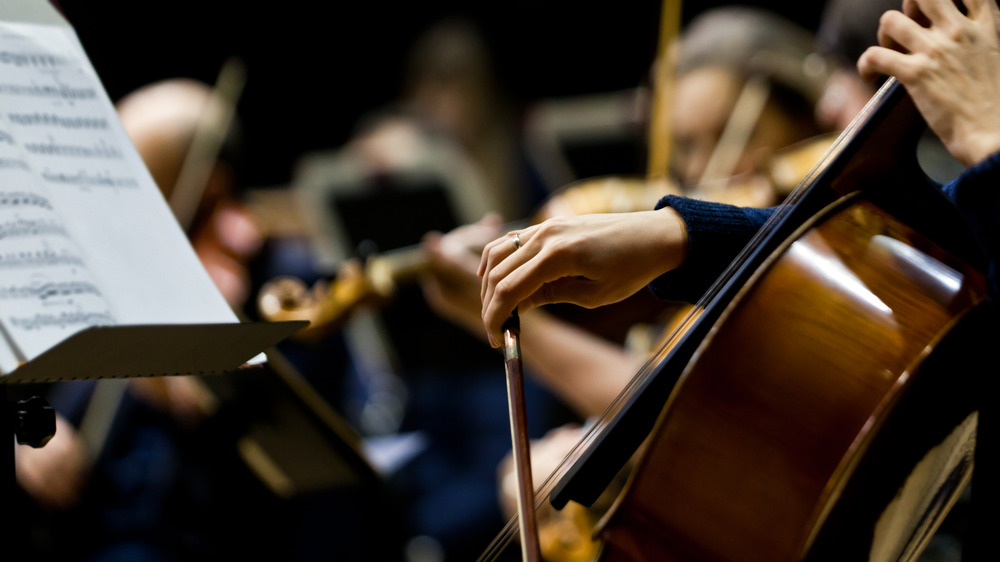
(314, 68)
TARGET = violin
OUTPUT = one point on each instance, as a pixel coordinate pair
(327, 305)
(375, 280)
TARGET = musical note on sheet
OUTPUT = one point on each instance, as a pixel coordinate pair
(86, 237)
(46, 289)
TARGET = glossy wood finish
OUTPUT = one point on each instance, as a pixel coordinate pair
(784, 396)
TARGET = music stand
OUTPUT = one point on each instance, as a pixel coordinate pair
(67, 160)
(127, 351)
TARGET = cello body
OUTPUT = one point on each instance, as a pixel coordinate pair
(790, 390)
(821, 407)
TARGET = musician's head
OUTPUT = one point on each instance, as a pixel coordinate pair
(449, 82)
(161, 119)
(847, 28)
(750, 70)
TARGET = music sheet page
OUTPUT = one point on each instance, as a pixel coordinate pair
(86, 238)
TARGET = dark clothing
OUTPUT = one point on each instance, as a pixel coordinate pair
(717, 232)
(976, 193)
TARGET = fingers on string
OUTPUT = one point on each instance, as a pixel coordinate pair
(913, 11)
(901, 33)
(933, 12)
(880, 60)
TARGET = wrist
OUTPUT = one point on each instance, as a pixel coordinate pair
(979, 148)
(671, 237)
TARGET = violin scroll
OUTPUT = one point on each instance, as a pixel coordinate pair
(285, 298)
(328, 304)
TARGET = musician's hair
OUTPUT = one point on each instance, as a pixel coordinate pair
(848, 27)
(752, 41)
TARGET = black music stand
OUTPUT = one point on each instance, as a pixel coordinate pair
(120, 352)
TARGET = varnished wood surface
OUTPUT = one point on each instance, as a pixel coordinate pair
(781, 400)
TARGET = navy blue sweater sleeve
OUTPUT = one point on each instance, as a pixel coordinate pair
(976, 193)
(716, 234)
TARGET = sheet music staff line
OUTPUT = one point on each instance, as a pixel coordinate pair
(47, 290)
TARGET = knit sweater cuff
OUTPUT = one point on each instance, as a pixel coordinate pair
(716, 234)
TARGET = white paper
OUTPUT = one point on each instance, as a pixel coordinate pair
(94, 242)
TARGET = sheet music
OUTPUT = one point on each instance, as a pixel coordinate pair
(46, 289)
(86, 238)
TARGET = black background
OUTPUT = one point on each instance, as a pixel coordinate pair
(314, 68)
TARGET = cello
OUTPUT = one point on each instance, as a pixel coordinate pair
(788, 419)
